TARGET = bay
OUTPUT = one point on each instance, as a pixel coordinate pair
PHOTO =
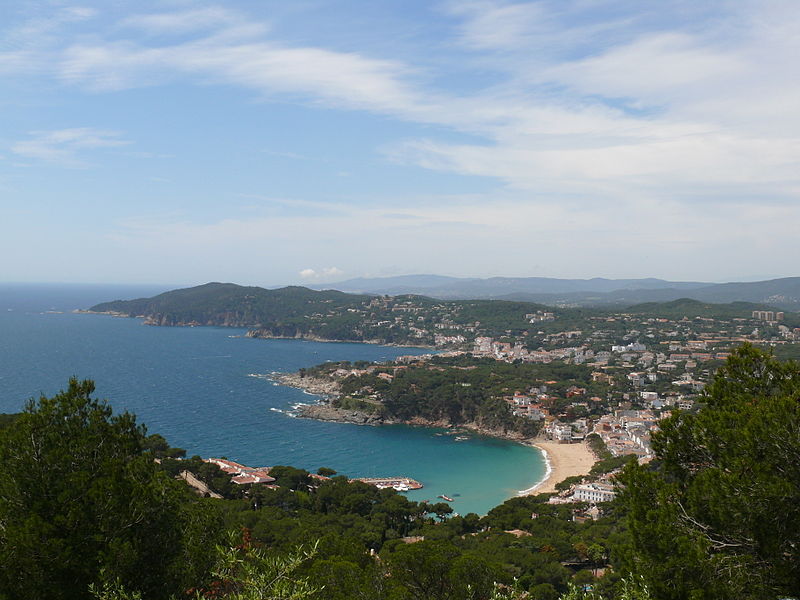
(205, 390)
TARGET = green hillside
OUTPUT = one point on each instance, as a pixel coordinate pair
(231, 304)
(301, 312)
(688, 307)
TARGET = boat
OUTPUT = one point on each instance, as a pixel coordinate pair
(461, 438)
(443, 497)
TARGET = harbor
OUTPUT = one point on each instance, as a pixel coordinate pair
(400, 484)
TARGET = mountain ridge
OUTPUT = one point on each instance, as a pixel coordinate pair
(782, 293)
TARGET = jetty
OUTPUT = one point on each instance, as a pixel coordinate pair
(401, 484)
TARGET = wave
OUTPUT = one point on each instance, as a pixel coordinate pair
(260, 375)
(547, 472)
(288, 413)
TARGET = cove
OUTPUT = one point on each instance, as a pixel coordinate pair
(196, 387)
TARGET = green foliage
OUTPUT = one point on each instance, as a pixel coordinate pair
(568, 482)
(687, 307)
(246, 572)
(631, 588)
(217, 303)
(460, 390)
(436, 570)
(291, 478)
(300, 312)
(81, 502)
(112, 590)
(718, 514)
(159, 448)
(7, 420)
(608, 465)
(598, 446)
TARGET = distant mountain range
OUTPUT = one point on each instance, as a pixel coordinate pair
(782, 293)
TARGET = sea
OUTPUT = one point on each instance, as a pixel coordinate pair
(208, 390)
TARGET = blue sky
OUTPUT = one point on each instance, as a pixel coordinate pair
(267, 142)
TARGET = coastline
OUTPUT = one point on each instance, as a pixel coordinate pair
(562, 460)
(310, 337)
(259, 333)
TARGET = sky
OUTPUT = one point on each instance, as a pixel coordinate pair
(269, 142)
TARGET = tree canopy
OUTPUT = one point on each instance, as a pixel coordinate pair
(717, 514)
(81, 502)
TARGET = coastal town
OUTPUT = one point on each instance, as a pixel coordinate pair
(595, 393)
(586, 385)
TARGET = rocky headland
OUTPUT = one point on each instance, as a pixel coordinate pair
(329, 390)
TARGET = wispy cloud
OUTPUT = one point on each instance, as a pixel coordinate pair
(495, 25)
(227, 48)
(66, 146)
(612, 120)
(175, 23)
(652, 107)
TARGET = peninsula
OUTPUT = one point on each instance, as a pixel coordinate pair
(368, 395)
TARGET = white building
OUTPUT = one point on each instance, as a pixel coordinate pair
(594, 492)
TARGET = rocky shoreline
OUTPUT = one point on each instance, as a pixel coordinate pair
(326, 412)
(325, 388)
(563, 460)
(311, 337)
(328, 390)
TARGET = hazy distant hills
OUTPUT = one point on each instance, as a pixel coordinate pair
(440, 286)
(782, 293)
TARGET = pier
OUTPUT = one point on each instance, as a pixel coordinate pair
(401, 484)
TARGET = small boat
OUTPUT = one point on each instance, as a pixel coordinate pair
(461, 438)
(443, 497)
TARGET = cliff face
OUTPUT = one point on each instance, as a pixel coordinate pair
(284, 333)
(225, 319)
(329, 390)
(326, 412)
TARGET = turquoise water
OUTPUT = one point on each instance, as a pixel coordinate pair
(194, 386)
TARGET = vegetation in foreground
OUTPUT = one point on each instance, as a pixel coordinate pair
(84, 506)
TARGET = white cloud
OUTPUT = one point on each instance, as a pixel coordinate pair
(326, 273)
(64, 146)
(493, 25)
(609, 128)
(228, 55)
(207, 18)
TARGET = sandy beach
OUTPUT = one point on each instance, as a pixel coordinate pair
(564, 460)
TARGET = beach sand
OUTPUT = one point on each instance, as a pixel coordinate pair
(564, 460)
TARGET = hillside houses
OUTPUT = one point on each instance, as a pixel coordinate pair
(241, 474)
(627, 431)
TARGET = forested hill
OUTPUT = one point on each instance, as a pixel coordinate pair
(304, 313)
(689, 308)
(298, 312)
(229, 304)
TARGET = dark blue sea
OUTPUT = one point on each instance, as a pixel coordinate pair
(203, 389)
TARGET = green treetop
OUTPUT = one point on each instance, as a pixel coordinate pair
(82, 502)
(717, 514)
